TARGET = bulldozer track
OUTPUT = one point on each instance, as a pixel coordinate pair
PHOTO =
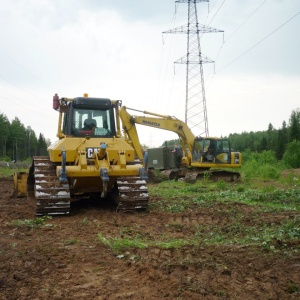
(52, 196)
(132, 194)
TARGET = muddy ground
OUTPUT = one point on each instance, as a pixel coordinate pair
(66, 260)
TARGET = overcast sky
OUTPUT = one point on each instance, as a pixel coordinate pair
(116, 49)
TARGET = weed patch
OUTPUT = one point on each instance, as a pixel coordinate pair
(38, 222)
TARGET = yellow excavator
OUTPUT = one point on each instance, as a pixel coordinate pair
(91, 158)
(203, 156)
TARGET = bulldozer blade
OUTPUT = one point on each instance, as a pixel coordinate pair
(20, 185)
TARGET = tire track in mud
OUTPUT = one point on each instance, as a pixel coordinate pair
(195, 219)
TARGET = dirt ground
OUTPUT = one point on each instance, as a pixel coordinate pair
(66, 260)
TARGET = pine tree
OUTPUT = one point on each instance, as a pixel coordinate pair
(282, 140)
(4, 134)
(295, 126)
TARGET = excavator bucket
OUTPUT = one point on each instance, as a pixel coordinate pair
(20, 184)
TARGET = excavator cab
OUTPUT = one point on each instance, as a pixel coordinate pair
(211, 151)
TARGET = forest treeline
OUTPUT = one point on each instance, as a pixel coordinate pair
(19, 143)
(282, 144)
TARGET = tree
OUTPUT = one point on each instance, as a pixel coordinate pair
(18, 142)
(263, 144)
(282, 140)
(31, 142)
(295, 125)
(17, 138)
(42, 146)
(291, 156)
(170, 143)
(271, 137)
(4, 133)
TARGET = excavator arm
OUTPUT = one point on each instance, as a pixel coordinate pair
(155, 120)
(130, 132)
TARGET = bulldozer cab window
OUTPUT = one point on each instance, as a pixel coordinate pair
(93, 122)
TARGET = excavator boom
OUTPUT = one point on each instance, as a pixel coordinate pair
(158, 121)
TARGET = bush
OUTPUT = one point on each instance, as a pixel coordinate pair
(269, 172)
(5, 159)
(261, 165)
(291, 156)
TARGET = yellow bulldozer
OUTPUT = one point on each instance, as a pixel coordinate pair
(90, 158)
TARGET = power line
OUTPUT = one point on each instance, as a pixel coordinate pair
(216, 12)
(32, 109)
(23, 90)
(210, 9)
(251, 15)
(18, 64)
(239, 27)
(255, 45)
(24, 68)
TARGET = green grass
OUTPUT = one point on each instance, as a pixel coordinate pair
(271, 237)
(241, 234)
(6, 172)
(120, 244)
(10, 170)
(179, 196)
(174, 243)
(242, 214)
(38, 222)
(85, 221)
(117, 245)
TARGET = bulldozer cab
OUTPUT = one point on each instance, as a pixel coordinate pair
(211, 150)
(93, 117)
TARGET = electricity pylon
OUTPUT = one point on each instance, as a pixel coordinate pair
(195, 102)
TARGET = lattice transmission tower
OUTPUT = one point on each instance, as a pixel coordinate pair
(195, 102)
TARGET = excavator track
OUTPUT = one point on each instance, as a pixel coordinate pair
(52, 195)
(192, 175)
(229, 176)
(132, 194)
(214, 175)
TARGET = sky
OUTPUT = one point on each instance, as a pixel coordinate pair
(116, 49)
